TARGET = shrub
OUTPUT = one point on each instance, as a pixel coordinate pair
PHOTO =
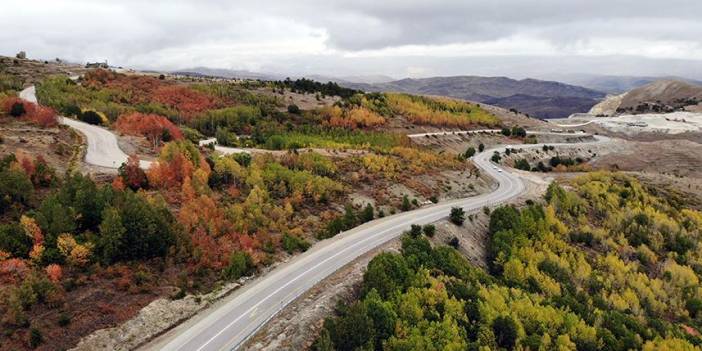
(457, 216)
(481, 147)
(453, 242)
(506, 132)
(429, 230)
(294, 109)
(64, 319)
(367, 214)
(14, 241)
(240, 264)
(35, 338)
(406, 205)
(415, 230)
(17, 109)
(15, 188)
(519, 132)
(496, 157)
(469, 152)
(292, 243)
(522, 164)
(90, 117)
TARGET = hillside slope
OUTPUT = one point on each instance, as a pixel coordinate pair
(659, 96)
(544, 99)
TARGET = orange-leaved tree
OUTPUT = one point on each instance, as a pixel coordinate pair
(177, 161)
(154, 127)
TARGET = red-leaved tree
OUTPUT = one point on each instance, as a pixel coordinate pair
(154, 127)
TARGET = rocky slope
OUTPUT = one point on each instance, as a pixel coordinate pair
(661, 96)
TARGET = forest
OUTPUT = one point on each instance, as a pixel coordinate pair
(606, 265)
(251, 114)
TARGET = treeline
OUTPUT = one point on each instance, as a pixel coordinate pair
(607, 266)
(309, 86)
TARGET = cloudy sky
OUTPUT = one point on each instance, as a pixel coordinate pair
(399, 38)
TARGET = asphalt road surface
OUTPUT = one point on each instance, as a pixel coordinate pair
(228, 326)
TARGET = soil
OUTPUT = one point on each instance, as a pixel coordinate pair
(33, 71)
(667, 157)
(60, 147)
(303, 101)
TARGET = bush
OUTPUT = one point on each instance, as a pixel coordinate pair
(522, 164)
(90, 117)
(415, 230)
(496, 157)
(519, 132)
(64, 319)
(457, 216)
(406, 205)
(17, 109)
(242, 158)
(429, 230)
(454, 242)
(15, 188)
(14, 241)
(35, 338)
(292, 243)
(240, 264)
(481, 147)
(294, 109)
(469, 152)
(367, 214)
(506, 132)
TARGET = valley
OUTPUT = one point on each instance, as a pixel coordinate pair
(230, 213)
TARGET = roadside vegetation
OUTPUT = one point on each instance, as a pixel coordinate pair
(607, 265)
(196, 219)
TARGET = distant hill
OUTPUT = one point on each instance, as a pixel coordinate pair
(538, 98)
(226, 73)
(615, 84)
(658, 96)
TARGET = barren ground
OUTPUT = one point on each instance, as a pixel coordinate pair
(60, 147)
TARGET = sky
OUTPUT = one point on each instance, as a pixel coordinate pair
(396, 38)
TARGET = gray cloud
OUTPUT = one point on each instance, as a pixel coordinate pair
(404, 37)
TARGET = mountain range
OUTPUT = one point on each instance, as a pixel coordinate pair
(538, 98)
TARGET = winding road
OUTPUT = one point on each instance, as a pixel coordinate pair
(231, 324)
(103, 148)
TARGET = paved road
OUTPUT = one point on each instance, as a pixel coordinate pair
(103, 149)
(228, 326)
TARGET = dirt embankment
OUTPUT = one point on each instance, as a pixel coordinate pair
(60, 147)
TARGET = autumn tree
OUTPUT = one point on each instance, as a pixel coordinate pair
(133, 176)
(154, 127)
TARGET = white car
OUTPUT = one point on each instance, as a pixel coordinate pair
(499, 170)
